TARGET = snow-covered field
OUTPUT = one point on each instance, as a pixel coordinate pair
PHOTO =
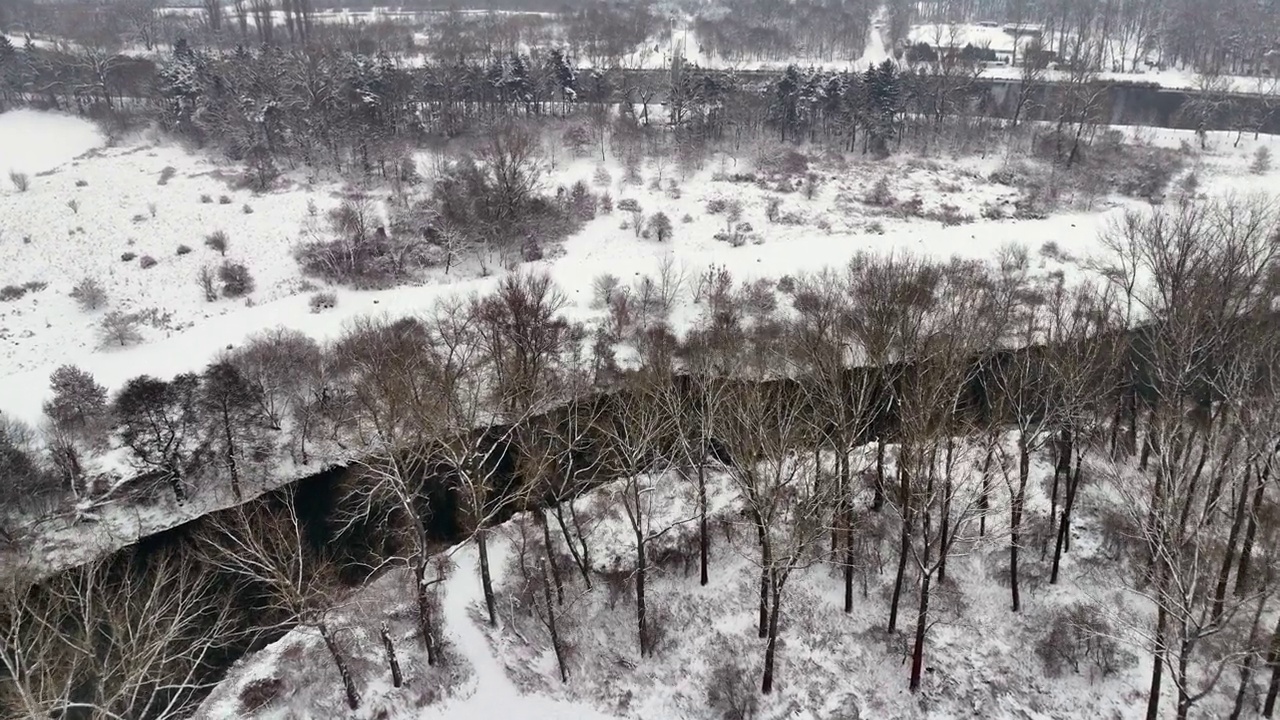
(44, 240)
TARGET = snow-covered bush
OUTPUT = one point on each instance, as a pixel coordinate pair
(20, 180)
(606, 203)
(205, 199)
(74, 205)
(660, 226)
(603, 289)
(880, 195)
(628, 205)
(1080, 636)
(166, 174)
(119, 329)
(89, 294)
(731, 691)
(184, 249)
(128, 256)
(217, 240)
(147, 262)
(1261, 161)
(601, 177)
(224, 199)
(236, 280)
(323, 301)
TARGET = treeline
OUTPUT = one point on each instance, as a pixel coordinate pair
(1178, 424)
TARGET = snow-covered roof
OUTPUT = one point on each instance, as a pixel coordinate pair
(982, 36)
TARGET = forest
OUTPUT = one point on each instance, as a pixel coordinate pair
(876, 430)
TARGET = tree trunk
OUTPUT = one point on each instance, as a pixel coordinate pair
(551, 626)
(1246, 681)
(1061, 469)
(1063, 542)
(771, 648)
(232, 467)
(704, 541)
(904, 546)
(1228, 553)
(846, 483)
(877, 499)
(642, 626)
(984, 499)
(1015, 520)
(1157, 664)
(426, 623)
(349, 685)
(945, 529)
(763, 627)
(1251, 529)
(1273, 662)
(486, 578)
(551, 558)
(579, 558)
(917, 653)
(396, 678)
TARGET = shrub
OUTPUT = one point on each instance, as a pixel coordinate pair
(118, 328)
(786, 285)
(166, 175)
(11, 292)
(146, 261)
(582, 201)
(206, 199)
(20, 180)
(912, 208)
(880, 194)
(74, 205)
(236, 280)
(257, 693)
(716, 206)
(184, 249)
(247, 210)
(992, 211)
(82, 183)
(139, 217)
(875, 227)
(89, 294)
(224, 199)
(151, 209)
(601, 177)
(323, 301)
(660, 226)
(773, 209)
(731, 692)
(606, 203)
(206, 279)
(128, 256)
(603, 289)
(1261, 161)
(1080, 636)
(628, 205)
(217, 241)
(686, 219)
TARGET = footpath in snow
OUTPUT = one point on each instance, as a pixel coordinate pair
(494, 695)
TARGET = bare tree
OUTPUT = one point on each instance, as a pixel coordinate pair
(264, 546)
(121, 638)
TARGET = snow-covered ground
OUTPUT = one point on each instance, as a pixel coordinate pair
(44, 240)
